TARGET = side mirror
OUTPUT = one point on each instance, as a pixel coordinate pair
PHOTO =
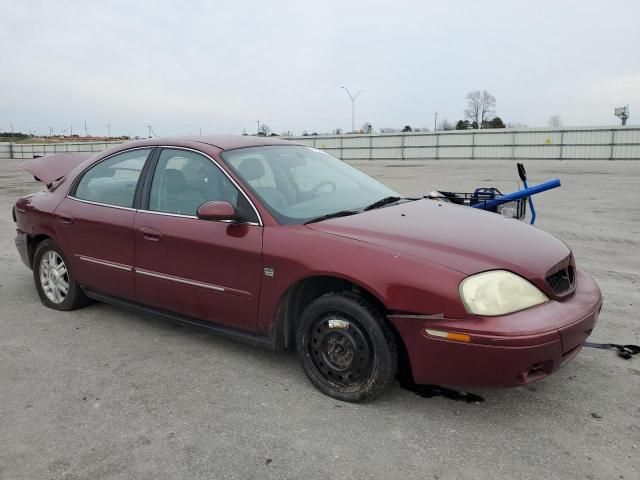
(216, 210)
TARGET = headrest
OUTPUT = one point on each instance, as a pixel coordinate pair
(251, 169)
(174, 180)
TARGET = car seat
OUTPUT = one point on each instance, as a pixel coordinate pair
(252, 170)
(179, 198)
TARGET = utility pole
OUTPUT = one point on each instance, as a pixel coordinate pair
(150, 130)
(258, 125)
(108, 130)
(71, 129)
(353, 106)
(85, 129)
(622, 113)
(435, 122)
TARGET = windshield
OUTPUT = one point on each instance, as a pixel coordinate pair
(298, 183)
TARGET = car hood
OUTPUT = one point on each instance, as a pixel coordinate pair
(50, 168)
(462, 238)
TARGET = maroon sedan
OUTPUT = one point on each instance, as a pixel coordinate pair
(285, 246)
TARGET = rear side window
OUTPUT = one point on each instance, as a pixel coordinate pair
(113, 181)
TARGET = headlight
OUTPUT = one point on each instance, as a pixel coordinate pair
(498, 293)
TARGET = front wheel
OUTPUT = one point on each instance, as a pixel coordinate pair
(345, 347)
(56, 287)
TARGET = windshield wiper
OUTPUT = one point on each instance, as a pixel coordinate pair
(382, 202)
(341, 213)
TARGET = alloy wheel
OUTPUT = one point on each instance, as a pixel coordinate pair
(54, 277)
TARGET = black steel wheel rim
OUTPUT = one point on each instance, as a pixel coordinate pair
(340, 350)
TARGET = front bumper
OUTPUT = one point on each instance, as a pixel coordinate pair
(505, 351)
(21, 245)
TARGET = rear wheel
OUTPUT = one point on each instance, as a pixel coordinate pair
(56, 287)
(345, 347)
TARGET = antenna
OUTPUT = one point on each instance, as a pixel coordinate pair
(622, 113)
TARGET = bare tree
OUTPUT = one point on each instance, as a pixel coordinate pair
(264, 130)
(481, 106)
(445, 124)
(555, 121)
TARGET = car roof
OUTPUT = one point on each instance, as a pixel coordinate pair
(227, 142)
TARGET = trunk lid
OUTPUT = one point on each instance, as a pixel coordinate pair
(50, 168)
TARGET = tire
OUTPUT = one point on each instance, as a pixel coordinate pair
(345, 347)
(55, 285)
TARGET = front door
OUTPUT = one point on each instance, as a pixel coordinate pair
(94, 224)
(203, 269)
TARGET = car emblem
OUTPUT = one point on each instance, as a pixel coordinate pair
(268, 272)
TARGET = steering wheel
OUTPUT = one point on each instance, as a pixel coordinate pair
(313, 192)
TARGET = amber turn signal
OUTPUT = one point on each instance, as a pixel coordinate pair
(457, 337)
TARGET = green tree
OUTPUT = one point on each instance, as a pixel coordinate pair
(495, 122)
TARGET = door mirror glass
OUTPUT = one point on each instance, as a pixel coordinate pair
(216, 210)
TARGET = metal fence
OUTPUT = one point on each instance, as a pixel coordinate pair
(610, 143)
(29, 150)
(597, 143)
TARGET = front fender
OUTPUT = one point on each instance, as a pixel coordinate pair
(401, 282)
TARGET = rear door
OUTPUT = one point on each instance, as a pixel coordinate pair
(210, 270)
(94, 223)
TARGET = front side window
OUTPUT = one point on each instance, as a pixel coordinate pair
(184, 180)
(114, 180)
(299, 183)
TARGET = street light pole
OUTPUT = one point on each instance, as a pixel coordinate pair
(353, 106)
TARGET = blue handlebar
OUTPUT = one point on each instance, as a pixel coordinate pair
(517, 195)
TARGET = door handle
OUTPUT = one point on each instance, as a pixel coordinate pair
(65, 219)
(151, 234)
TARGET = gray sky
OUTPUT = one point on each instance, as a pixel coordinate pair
(220, 66)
